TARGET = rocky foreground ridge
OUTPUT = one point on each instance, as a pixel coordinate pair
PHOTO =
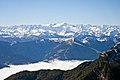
(106, 67)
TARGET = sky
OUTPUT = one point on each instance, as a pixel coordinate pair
(99, 12)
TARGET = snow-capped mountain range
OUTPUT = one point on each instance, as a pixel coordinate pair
(22, 44)
(62, 30)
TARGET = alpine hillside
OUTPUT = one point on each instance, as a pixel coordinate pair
(21, 44)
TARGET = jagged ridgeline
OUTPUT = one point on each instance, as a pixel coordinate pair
(23, 44)
(106, 67)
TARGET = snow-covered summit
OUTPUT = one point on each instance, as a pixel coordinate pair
(60, 30)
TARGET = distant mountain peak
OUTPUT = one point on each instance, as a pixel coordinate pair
(60, 30)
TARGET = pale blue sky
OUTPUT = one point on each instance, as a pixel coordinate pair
(56, 11)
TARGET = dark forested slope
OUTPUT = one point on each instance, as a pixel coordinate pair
(106, 67)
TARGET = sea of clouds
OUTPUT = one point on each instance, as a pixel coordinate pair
(53, 64)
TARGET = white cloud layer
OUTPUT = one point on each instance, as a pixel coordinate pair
(53, 64)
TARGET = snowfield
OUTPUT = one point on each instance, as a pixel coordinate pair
(53, 64)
